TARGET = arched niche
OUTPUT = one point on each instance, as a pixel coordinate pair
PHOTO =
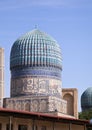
(70, 103)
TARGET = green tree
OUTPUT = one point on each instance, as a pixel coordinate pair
(87, 115)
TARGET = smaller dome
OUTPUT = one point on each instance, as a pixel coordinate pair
(86, 99)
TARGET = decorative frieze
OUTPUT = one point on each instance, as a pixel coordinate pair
(35, 86)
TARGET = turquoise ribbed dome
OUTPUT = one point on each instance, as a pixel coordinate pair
(35, 48)
(86, 99)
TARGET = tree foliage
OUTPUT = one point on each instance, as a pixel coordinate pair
(87, 115)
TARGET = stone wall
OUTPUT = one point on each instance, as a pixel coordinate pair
(46, 104)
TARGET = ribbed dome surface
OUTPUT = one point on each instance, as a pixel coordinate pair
(35, 48)
(86, 99)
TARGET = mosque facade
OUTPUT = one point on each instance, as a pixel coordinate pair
(36, 82)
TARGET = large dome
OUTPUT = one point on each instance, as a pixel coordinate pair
(35, 64)
(35, 48)
(86, 99)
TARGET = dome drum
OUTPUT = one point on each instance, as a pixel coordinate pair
(35, 86)
(35, 71)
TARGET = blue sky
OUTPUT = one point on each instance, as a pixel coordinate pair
(67, 21)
